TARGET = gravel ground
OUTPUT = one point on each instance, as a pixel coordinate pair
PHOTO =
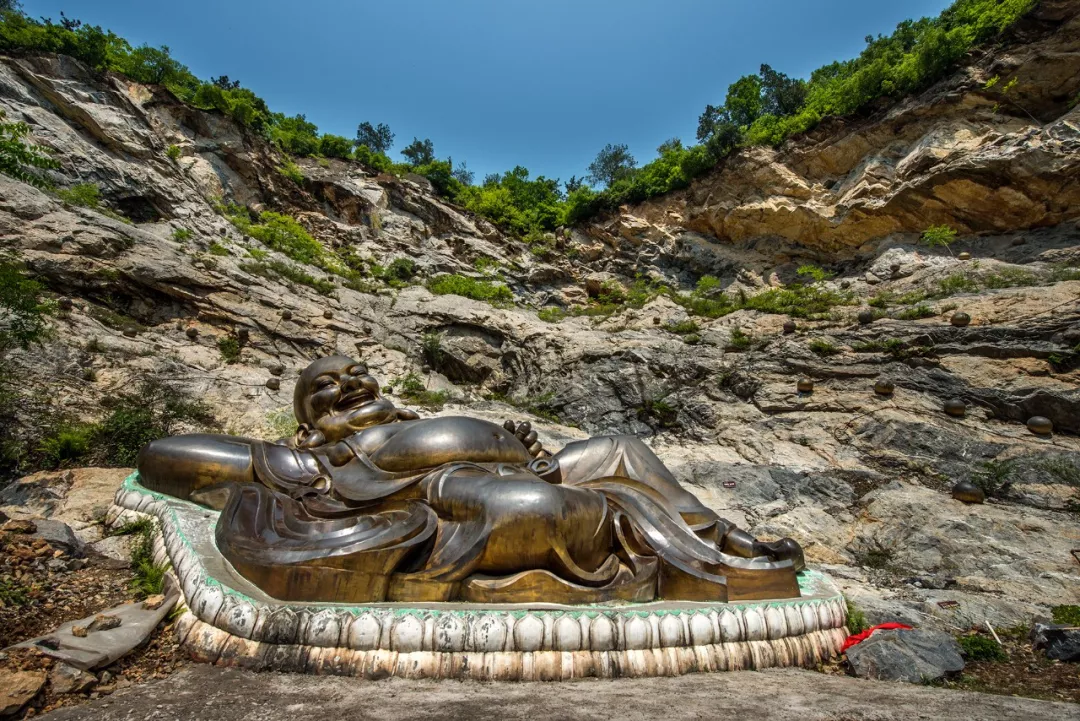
(207, 693)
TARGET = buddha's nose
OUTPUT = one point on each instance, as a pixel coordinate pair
(350, 383)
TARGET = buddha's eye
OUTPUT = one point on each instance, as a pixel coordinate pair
(324, 383)
(358, 370)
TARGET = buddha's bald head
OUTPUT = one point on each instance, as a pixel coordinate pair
(337, 396)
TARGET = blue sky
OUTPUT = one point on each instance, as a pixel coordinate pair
(499, 83)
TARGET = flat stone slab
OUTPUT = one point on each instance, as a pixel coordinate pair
(209, 693)
(100, 648)
(232, 622)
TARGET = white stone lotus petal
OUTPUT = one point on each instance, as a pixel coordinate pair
(449, 633)
(528, 633)
(754, 621)
(671, 630)
(701, 629)
(602, 636)
(407, 635)
(637, 634)
(567, 632)
(365, 632)
(775, 622)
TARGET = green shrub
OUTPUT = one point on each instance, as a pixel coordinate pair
(1012, 278)
(981, 648)
(919, 311)
(68, 443)
(740, 340)
(218, 249)
(19, 159)
(994, 477)
(397, 274)
(153, 410)
(149, 577)
(856, 620)
(13, 593)
(823, 347)
(412, 390)
(956, 283)
(683, 327)
(181, 235)
(84, 195)
(551, 314)
(470, 288)
(229, 348)
(283, 234)
(816, 274)
(1066, 615)
(173, 152)
(431, 348)
(292, 171)
(939, 236)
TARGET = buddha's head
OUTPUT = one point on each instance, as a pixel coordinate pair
(335, 397)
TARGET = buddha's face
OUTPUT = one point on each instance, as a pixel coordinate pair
(340, 397)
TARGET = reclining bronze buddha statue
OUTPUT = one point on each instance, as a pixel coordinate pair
(370, 503)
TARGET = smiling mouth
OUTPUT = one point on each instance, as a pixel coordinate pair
(354, 400)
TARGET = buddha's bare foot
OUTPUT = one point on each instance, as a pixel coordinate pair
(524, 433)
(786, 549)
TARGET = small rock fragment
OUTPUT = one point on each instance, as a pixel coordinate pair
(79, 631)
(19, 526)
(103, 622)
(152, 603)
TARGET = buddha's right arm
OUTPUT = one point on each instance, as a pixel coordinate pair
(180, 465)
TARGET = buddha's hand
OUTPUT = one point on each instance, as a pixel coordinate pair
(524, 433)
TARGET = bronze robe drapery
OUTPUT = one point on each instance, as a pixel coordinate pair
(601, 520)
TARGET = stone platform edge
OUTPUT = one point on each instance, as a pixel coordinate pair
(226, 627)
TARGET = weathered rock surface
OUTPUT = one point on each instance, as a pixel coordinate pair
(915, 656)
(216, 694)
(859, 478)
(18, 688)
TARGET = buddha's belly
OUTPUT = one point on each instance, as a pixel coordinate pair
(435, 441)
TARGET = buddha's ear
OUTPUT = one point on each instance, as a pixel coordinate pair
(308, 437)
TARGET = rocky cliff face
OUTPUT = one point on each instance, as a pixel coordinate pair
(860, 479)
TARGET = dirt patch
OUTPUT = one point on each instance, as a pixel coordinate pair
(41, 587)
(1026, 673)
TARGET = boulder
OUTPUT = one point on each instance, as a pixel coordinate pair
(64, 678)
(1060, 643)
(59, 535)
(18, 688)
(914, 656)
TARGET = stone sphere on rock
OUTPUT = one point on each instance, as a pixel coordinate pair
(286, 315)
(805, 385)
(866, 317)
(884, 387)
(789, 327)
(273, 384)
(1040, 425)
(328, 314)
(964, 256)
(960, 319)
(956, 408)
(192, 332)
(968, 492)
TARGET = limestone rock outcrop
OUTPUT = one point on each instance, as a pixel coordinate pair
(859, 478)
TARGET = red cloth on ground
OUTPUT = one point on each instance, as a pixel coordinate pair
(860, 637)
